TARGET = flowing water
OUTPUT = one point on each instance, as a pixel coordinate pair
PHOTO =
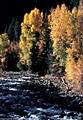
(19, 102)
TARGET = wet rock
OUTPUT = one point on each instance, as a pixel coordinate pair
(62, 114)
(71, 114)
(33, 117)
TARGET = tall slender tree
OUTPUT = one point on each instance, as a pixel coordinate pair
(74, 64)
(61, 34)
(32, 42)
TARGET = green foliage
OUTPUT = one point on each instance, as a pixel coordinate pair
(60, 55)
(73, 3)
(48, 46)
(60, 24)
(13, 30)
(74, 62)
(31, 43)
(4, 43)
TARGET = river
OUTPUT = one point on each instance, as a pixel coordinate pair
(20, 102)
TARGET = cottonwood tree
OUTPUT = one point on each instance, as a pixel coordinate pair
(74, 64)
(32, 41)
(61, 33)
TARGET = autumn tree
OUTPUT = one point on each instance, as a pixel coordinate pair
(74, 72)
(4, 43)
(74, 64)
(61, 33)
(32, 41)
(77, 18)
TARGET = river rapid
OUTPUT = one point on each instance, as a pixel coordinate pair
(19, 100)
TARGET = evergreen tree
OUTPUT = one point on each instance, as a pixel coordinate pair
(13, 30)
(73, 3)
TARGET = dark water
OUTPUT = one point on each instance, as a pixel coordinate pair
(20, 102)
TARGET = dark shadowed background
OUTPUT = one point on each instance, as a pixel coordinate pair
(13, 8)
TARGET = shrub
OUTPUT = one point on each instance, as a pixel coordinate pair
(11, 57)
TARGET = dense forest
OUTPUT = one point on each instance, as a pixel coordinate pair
(47, 41)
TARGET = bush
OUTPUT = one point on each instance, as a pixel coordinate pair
(11, 57)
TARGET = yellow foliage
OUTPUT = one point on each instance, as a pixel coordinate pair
(4, 43)
(32, 23)
(34, 19)
(74, 72)
(74, 69)
(60, 21)
(77, 19)
(26, 18)
(66, 28)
